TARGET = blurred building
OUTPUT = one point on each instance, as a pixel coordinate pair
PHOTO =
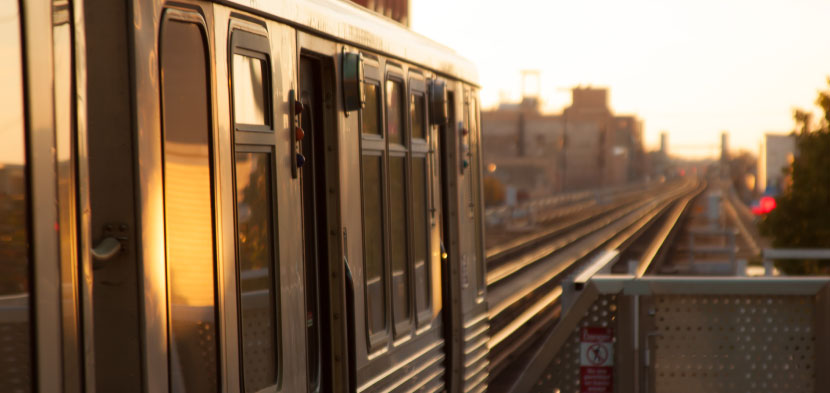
(777, 153)
(12, 180)
(524, 147)
(601, 149)
(397, 10)
(584, 147)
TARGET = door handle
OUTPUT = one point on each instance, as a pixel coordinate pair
(106, 249)
(111, 245)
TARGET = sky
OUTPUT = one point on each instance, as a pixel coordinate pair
(11, 107)
(691, 68)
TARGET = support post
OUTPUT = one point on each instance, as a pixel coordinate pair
(821, 320)
(626, 369)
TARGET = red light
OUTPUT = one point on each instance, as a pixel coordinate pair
(767, 204)
(682, 172)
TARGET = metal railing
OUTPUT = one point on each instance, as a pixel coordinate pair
(691, 334)
(500, 214)
(771, 254)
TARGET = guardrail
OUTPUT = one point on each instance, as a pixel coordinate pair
(688, 334)
(500, 214)
(771, 254)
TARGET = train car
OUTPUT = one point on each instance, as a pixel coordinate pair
(243, 195)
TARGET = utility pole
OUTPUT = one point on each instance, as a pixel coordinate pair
(533, 75)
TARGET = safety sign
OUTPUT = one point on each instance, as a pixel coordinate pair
(596, 360)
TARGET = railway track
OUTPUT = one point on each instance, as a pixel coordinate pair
(559, 218)
(525, 274)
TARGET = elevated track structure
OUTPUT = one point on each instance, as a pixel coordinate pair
(526, 272)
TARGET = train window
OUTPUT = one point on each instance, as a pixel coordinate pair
(255, 254)
(419, 189)
(373, 248)
(250, 81)
(371, 109)
(15, 281)
(395, 111)
(188, 208)
(256, 230)
(420, 246)
(417, 103)
(249, 95)
(399, 242)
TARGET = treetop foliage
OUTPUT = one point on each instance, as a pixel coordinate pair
(802, 216)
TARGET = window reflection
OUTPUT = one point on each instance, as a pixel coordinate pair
(374, 238)
(416, 113)
(371, 111)
(188, 209)
(419, 235)
(395, 111)
(399, 240)
(255, 240)
(15, 344)
(249, 100)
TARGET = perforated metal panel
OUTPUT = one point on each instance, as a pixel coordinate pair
(14, 357)
(15, 345)
(562, 374)
(258, 338)
(752, 344)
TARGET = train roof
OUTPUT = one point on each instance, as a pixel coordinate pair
(356, 26)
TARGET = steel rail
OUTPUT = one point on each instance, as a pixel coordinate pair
(660, 240)
(605, 233)
(516, 343)
(525, 323)
(502, 250)
(505, 270)
(518, 333)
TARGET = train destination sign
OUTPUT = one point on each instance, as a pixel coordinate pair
(596, 360)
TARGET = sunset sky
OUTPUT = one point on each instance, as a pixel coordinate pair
(692, 68)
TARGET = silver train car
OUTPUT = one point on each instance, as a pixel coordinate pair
(243, 195)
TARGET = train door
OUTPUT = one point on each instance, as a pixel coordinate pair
(315, 250)
(264, 311)
(398, 339)
(465, 288)
(323, 267)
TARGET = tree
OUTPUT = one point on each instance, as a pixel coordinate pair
(801, 218)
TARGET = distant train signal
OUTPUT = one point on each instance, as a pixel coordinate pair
(765, 205)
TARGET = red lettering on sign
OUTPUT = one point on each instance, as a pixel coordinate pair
(597, 335)
(596, 379)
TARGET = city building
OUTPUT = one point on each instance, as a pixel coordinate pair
(586, 146)
(777, 152)
(524, 146)
(397, 10)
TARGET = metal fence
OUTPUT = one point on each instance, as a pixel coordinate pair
(688, 334)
